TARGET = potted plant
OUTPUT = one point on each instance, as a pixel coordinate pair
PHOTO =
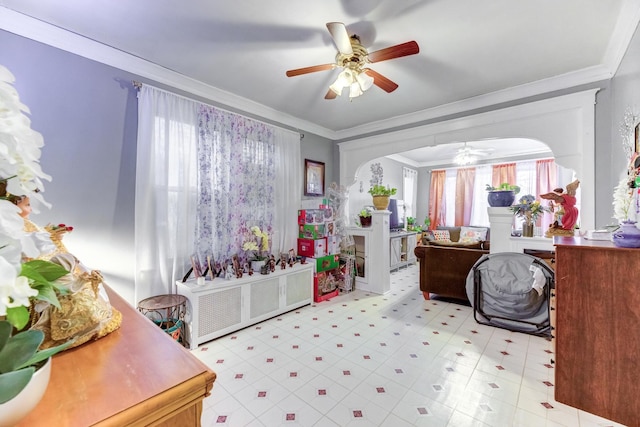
(427, 222)
(257, 248)
(365, 218)
(530, 209)
(503, 195)
(381, 195)
(24, 371)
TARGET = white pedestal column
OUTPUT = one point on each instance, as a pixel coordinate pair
(379, 280)
(501, 220)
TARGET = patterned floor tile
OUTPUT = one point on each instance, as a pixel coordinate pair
(363, 359)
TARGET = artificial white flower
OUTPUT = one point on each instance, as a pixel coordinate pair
(14, 290)
(11, 223)
(20, 146)
(622, 196)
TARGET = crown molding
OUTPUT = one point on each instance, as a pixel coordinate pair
(623, 33)
(564, 81)
(26, 26)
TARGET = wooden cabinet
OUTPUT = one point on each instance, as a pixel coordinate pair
(597, 328)
(135, 376)
(223, 306)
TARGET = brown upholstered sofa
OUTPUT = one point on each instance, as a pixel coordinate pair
(444, 266)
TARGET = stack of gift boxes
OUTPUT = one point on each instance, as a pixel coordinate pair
(318, 242)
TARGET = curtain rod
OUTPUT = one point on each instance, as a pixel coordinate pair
(138, 85)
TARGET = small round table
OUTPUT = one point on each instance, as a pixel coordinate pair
(166, 311)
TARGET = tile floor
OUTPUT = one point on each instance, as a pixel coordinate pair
(396, 360)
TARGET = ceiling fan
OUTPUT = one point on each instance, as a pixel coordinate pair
(467, 155)
(352, 57)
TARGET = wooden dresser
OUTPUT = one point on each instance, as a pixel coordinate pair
(598, 328)
(135, 376)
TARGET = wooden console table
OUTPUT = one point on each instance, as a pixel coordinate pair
(135, 376)
(597, 322)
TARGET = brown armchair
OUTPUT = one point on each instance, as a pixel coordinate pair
(444, 269)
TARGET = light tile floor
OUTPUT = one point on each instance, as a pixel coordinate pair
(393, 360)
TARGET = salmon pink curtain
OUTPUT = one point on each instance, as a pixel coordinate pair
(437, 206)
(546, 182)
(464, 195)
(505, 172)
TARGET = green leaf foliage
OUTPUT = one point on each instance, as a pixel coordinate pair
(12, 383)
(18, 316)
(381, 190)
(42, 271)
(19, 349)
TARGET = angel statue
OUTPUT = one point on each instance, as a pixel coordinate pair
(567, 205)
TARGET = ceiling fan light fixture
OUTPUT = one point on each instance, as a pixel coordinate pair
(464, 158)
(355, 90)
(344, 80)
(364, 80)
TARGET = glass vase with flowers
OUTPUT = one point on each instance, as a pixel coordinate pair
(529, 209)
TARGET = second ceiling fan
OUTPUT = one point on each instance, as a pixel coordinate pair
(352, 57)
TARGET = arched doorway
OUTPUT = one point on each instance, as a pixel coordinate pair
(565, 124)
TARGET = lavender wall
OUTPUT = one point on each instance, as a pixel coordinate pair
(87, 114)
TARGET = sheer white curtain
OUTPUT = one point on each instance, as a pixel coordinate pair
(479, 214)
(527, 180)
(410, 191)
(289, 189)
(165, 202)
(203, 175)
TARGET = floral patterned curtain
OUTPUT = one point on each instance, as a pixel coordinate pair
(236, 182)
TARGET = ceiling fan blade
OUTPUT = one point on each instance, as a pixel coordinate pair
(340, 37)
(381, 81)
(330, 95)
(397, 51)
(307, 70)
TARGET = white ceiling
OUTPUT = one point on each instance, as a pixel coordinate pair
(472, 53)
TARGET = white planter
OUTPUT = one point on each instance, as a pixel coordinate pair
(256, 265)
(19, 407)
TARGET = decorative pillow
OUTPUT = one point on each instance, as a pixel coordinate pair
(441, 235)
(472, 234)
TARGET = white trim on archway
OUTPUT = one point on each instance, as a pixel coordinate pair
(565, 123)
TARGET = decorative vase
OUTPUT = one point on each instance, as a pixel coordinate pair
(13, 411)
(365, 221)
(527, 229)
(381, 202)
(501, 198)
(627, 236)
(256, 265)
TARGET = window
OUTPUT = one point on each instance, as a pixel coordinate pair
(526, 178)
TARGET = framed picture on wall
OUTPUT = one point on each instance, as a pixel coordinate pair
(636, 135)
(313, 178)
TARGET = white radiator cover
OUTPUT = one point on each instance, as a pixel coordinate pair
(222, 306)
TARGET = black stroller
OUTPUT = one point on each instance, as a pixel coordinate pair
(511, 291)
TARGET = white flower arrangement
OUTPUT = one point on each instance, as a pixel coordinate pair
(622, 198)
(20, 174)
